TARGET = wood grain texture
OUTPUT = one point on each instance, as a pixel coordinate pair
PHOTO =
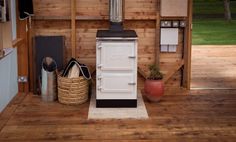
(73, 28)
(157, 48)
(31, 55)
(143, 9)
(140, 9)
(52, 8)
(213, 67)
(188, 47)
(174, 8)
(174, 69)
(143, 16)
(10, 109)
(23, 52)
(202, 115)
(17, 42)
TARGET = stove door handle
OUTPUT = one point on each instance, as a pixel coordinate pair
(100, 77)
(100, 88)
(132, 83)
(132, 57)
(100, 66)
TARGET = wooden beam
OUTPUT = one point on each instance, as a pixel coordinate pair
(188, 48)
(157, 51)
(73, 28)
(92, 18)
(173, 71)
(89, 18)
(31, 55)
(143, 71)
(22, 55)
(17, 42)
(52, 18)
(22, 52)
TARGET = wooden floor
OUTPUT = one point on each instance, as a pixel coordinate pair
(203, 116)
(214, 66)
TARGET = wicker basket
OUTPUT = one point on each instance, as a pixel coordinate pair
(72, 91)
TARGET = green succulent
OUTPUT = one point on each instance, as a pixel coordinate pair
(155, 73)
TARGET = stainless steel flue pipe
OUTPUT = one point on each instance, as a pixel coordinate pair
(116, 11)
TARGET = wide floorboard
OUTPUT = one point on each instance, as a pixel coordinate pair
(214, 66)
(202, 116)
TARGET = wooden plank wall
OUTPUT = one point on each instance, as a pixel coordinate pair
(52, 17)
(22, 44)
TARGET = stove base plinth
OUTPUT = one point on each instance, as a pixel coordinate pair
(116, 103)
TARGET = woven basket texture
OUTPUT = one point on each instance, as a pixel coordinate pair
(72, 91)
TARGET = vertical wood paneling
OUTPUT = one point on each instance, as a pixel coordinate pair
(73, 28)
(94, 8)
(23, 62)
(22, 52)
(52, 7)
(188, 48)
(157, 50)
(140, 9)
(143, 16)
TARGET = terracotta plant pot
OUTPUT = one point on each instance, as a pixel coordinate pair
(154, 89)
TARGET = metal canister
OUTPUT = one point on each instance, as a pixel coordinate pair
(116, 11)
(49, 80)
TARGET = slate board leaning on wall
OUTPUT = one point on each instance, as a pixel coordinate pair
(47, 46)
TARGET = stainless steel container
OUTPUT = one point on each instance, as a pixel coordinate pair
(49, 80)
(116, 11)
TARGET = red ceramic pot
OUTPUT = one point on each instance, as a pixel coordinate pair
(154, 89)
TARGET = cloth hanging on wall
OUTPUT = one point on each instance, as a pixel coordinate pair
(25, 8)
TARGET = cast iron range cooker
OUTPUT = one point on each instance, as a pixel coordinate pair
(116, 62)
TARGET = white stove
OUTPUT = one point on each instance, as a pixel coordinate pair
(116, 62)
(116, 69)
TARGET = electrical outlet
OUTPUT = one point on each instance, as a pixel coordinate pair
(22, 79)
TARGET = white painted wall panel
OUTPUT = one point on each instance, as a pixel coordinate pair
(8, 78)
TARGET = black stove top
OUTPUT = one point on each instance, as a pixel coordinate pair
(123, 33)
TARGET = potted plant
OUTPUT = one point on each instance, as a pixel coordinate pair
(154, 86)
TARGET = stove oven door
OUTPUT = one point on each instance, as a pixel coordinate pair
(116, 86)
(116, 56)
